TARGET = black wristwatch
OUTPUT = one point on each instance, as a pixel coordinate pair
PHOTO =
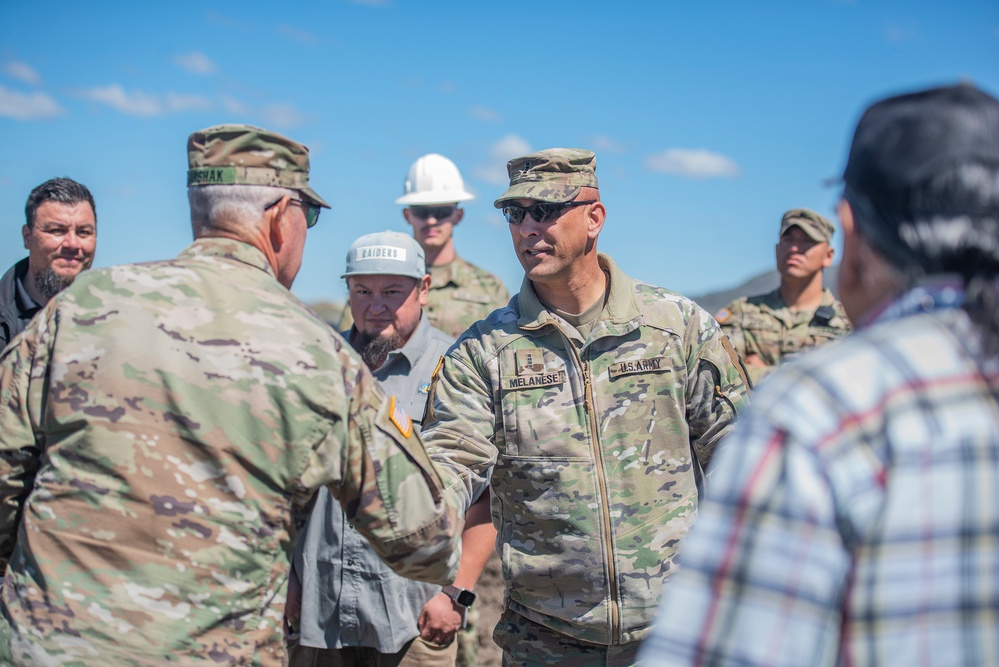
(463, 597)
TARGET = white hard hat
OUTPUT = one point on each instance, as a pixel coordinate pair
(433, 179)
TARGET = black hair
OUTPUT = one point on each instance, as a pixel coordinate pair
(948, 224)
(61, 190)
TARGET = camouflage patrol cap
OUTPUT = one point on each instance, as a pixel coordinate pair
(247, 155)
(818, 228)
(553, 175)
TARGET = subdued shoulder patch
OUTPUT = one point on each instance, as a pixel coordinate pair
(402, 421)
(736, 360)
(723, 316)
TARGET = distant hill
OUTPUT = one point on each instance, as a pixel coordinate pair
(711, 302)
(765, 282)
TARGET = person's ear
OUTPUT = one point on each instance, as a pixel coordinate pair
(595, 216)
(275, 220)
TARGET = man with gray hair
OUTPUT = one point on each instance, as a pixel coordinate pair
(851, 517)
(354, 609)
(166, 426)
(60, 235)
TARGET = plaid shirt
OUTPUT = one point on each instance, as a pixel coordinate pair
(852, 517)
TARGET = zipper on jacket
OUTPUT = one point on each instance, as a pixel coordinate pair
(605, 517)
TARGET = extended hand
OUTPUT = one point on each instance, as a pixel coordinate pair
(440, 619)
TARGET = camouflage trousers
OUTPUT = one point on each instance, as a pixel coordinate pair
(529, 644)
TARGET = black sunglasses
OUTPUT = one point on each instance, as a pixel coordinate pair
(540, 211)
(437, 212)
(311, 210)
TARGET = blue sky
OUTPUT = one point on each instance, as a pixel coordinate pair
(708, 119)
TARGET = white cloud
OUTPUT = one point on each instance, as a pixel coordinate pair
(134, 104)
(138, 103)
(282, 115)
(485, 114)
(494, 171)
(602, 144)
(234, 106)
(196, 63)
(27, 106)
(176, 102)
(698, 163)
(22, 72)
(228, 21)
(297, 34)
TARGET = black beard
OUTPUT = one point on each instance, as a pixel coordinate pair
(50, 283)
(374, 349)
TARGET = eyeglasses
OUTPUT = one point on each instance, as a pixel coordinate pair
(540, 211)
(437, 212)
(311, 210)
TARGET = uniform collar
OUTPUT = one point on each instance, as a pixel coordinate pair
(239, 251)
(620, 314)
(446, 274)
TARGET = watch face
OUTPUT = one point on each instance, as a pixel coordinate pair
(465, 598)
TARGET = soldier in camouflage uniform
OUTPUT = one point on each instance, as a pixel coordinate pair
(460, 292)
(165, 426)
(800, 314)
(594, 401)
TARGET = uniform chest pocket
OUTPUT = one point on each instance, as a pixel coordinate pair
(761, 324)
(543, 409)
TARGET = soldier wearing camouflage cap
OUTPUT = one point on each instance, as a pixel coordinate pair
(800, 314)
(166, 425)
(589, 406)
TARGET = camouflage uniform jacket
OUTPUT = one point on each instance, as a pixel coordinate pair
(461, 294)
(163, 428)
(765, 326)
(595, 450)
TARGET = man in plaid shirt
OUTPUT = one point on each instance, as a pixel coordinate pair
(852, 517)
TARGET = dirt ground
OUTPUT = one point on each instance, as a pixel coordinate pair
(490, 603)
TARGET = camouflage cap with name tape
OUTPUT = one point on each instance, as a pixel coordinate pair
(553, 175)
(247, 155)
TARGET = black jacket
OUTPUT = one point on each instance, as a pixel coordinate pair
(13, 318)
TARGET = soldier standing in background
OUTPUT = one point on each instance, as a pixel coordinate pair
(60, 235)
(460, 292)
(165, 425)
(589, 406)
(851, 516)
(800, 314)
